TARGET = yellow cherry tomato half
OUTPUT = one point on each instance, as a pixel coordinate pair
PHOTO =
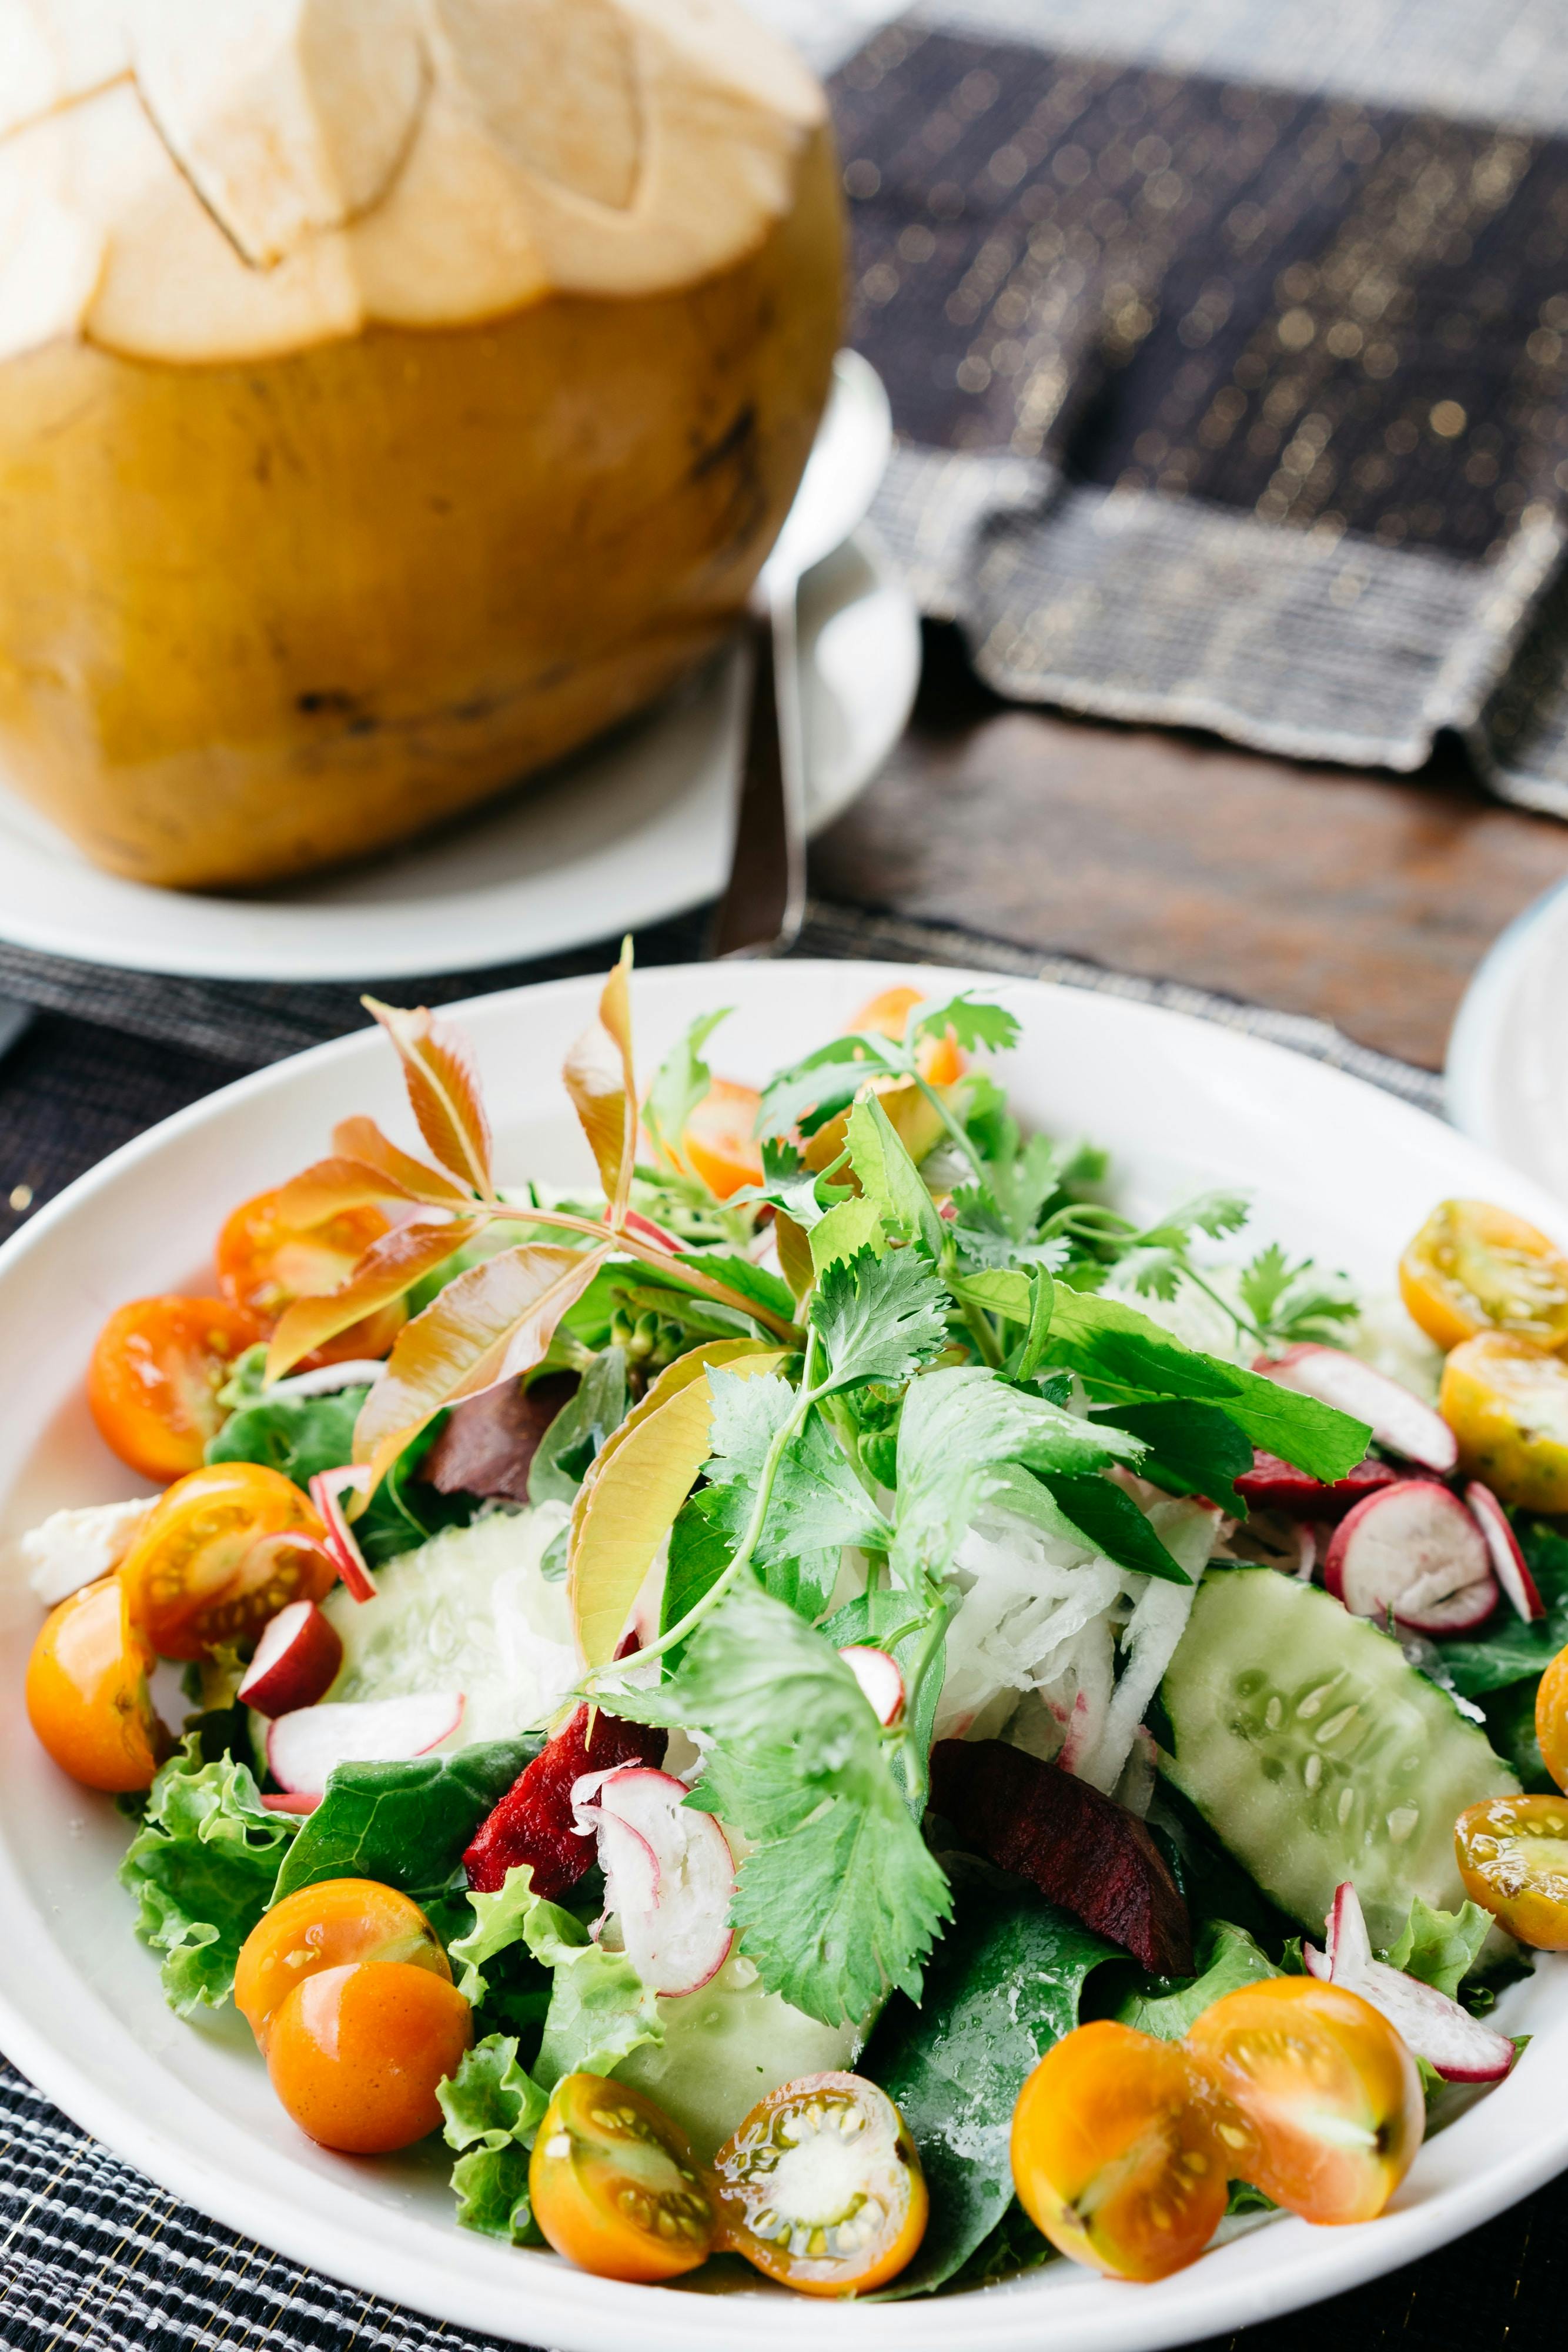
(719, 1143)
(221, 1553)
(1327, 2089)
(330, 1925)
(1507, 1403)
(1473, 1268)
(1552, 1719)
(153, 1379)
(86, 1692)
(355, 2052)
(820, 2187)
(1115, 2153)
(1513, 1859)
(614, 2185)
(264, 1264)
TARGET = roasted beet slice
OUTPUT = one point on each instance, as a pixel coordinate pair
(1274, 1486)
(489, 1446)
(1082, 1849)
(533, 1820)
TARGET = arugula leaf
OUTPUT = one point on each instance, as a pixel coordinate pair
(1227, 1957)
(579, 1430)
(977, 1027)
(1293, 1302)
(888, 1178)
(1195, 1448)
(1003, 1986)
(740, 1275)
(203, 1866)
(814, 1090)
(1112, 1345)
(403, 1824)
(840, 1898)
(493, 2108)
(682, 1080)
(1515, 1649)
(1441, 1947)
(880, 1318)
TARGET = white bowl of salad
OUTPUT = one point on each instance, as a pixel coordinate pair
(926, 1669)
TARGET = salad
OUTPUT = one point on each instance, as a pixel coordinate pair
(830, 1698)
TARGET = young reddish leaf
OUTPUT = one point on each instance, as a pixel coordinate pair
(638, 1483)
(598, 1076)
(327, 1187)
(389, 1267)
(412, 1180)
(488, 1324)
(443, 1087)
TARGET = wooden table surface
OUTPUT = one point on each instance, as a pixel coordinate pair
(1367, 899)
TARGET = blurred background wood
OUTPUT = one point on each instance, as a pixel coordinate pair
(1365, 898)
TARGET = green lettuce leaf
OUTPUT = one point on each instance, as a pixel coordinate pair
(1441, 1947)
(600, 2010)
(493, 2109)
(1229, 1959)
(202, 1867)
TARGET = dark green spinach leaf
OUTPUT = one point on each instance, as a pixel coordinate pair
(404, 1824)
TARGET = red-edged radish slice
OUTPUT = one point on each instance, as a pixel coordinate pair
(303, 1747)
(1435, 2028)
(1272, 1484)
(326, 1487)
(275, 1804)
(637, 1223)
(1415, 1549)
(295, 1662)
(878, 1677)
(1396, 1417)
(682, 1937)
(1507, 1559)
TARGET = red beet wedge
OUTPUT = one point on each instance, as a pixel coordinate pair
(1274, 1486)
(1082, 1849)
(533, 1821)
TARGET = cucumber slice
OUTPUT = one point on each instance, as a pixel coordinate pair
(1316, 1754)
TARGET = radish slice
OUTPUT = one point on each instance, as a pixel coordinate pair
(1415, 1549)
(303, 1747)
(295, 1662)
(1507, 1559)
(1435, 2028)
(353, 1372)
(325, 1488)
(637, 1223)
(279, 1804)
(879, 1678)
(1397, 1419)
(675, 1928)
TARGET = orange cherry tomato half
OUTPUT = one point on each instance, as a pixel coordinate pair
(939, 1060)
(86, 1692)
(1552, 1719)
(330, 1925)
(219, 1554)
(1513, 1859)
(156, 1369)
(1328, 2089)
(356, 2052)
(614, 2185)
(718, 1144)
(265, 1265)
(820, 2187)
(1506, 1401)
(1115, 2153)
(1473, 1268)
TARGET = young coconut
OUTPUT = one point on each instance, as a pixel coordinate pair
(467, 353)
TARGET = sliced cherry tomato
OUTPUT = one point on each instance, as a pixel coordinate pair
(86, 1692)
(1513, 1860)
(219, 1554)
(1473, 1268)
(154, 1381)
(1115, 2153)
(820, 2187)
(718, 1144)
(1507, 1403)
(330, 1925)
(1552, 1719)
(939, 1060)
(614, 2185)
(265, 1264)
(1327, 2089)
(355, 2052)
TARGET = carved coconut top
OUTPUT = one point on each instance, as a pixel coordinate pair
(211, 180)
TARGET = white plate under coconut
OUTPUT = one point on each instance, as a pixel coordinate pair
(1334, 1166)
(633, 829)
(1507, 1075)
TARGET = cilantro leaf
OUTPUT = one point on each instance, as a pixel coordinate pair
(1292, 1302)
(812, 1091)
(880, 1318)
(683, 1079)
(817, 1503)
(977, 1028)
(840, 1898)
(849, 1227)
(789, 1185)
